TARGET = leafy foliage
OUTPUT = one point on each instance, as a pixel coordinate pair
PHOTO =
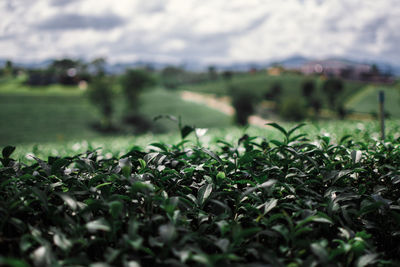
(281, 202)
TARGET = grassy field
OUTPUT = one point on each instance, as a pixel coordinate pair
(58, 113)
(366, 100)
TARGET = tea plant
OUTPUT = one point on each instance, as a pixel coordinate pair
(255, 202)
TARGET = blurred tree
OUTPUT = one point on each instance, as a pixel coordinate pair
(308, 89)
(99, 66)
(40, 77)
(375, 69)
(9, 68)
(172, 77)
(316, 106)
(274, 92)
(212, 73)
(133, 83)
(332, 88)
(66, 71)
(342, 112)
(243, 103)
(101, 95)
(227, 75)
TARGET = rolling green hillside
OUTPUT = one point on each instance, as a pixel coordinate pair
(366, 100)
(58, 113)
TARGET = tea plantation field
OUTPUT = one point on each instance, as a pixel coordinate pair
(316, 194)
(260, 83)
(365, 100)
(59, 113)
(244, 197)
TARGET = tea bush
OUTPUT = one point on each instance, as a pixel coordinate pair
(286, 202)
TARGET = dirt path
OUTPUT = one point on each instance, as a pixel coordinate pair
(222, 104)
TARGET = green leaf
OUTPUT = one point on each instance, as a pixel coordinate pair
(277, 143)
(142, 165)
(278, 127)
(318, 248)
(223, 226)
(58, 165)
(70, 201)
(266, 184)
(103, 184)
(282, 230)
(344, 138)
(126, 166)
(297, 137)
(366, 260)
(7, 151)
(396, 179)
(167, 232)
(26, 242)
(186, 130)
(269, 205)
(115, 208)
(161, 146)
(314, 218)
(42, 197)
(42, 256)
(213, 155)
(204, 193)
(12, 262)
(142, 187)
(98, 225)
(61, 241)
(295, 128)
(356, 156)
(303, 230)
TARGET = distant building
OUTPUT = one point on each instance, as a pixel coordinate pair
(345, 70)
(274, 71)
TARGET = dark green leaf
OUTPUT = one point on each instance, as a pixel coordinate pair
(7, 151)
(186, 130)
(278, 127)
(289, 133)
(213, 155)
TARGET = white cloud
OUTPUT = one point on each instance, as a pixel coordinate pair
(206, 30)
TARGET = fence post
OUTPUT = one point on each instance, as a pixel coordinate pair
(382, 113)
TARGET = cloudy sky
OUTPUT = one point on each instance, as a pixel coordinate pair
(208, 31)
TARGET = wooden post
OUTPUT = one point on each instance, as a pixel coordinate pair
(382, 113)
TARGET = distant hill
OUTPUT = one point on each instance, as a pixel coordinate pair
(293, 62)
